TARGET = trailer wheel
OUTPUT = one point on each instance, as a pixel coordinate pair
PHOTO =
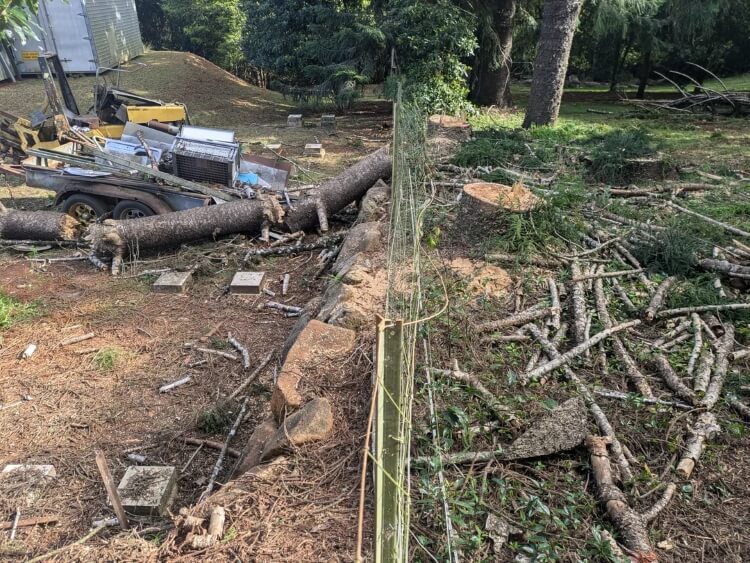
(84, 208)
(128, 209)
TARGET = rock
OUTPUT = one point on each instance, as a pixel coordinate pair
(373, 205)
(148, 490)
(573, 80)
(365, 237)
(285, 398)
(499, 530)
(562, 429)
(312, 423)
(255, 444)
(318, 346)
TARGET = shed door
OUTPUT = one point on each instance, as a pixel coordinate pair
(70, 34)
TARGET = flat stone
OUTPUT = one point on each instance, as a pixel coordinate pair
(255, 444)
(273, 147)
(294, 120)
(27, 470)
(564, 428)
(247, 283)
(172, 282)
(328, 120)
(312, 423)
(315, 149)
(318, 347)
(148, 490)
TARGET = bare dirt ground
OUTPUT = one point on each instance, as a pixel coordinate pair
(103, 392)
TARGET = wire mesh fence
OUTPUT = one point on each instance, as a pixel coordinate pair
(397, 335)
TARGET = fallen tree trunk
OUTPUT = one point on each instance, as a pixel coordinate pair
(243, 216)
(37, 225)
(338, 192)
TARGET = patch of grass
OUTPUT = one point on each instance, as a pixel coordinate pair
(218, 418)
(610, 153)
(107, 358)
(673, 251)
(14, 311)
(218, 343)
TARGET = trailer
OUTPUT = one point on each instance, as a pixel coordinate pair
(87, 35)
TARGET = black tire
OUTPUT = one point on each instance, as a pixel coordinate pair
(86, 209)
(128, 209)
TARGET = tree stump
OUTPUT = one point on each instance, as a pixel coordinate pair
(485, 207)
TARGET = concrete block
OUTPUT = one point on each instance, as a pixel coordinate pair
(148, 490)
(328, 120)
(27, 470)
(294, 120)
(247, 283)
(315, 149)
(172, 282)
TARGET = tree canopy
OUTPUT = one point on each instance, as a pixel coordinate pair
(446, 52)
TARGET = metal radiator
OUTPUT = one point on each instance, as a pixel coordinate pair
(202, 161)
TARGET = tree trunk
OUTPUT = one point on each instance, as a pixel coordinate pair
(645, 72)
(559, 20)
(242, 216)
(36, 225)
(491, 75)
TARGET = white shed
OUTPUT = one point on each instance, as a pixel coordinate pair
(86, 34)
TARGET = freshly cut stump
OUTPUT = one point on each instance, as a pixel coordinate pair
(483, 206)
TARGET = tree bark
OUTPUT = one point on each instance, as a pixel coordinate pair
(242, 216)
(37, 225)
(559, 20)
(645, 72)
(491, 74)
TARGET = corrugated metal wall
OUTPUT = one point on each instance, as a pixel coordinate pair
(115, 31)
(3, 73)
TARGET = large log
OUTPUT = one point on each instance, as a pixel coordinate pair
(36, 225)
(338, 192)
(243, 216)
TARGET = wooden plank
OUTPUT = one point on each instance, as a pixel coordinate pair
(109, 484)
(389, 540)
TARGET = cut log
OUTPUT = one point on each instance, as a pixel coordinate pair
(37, 225)
(242, 216)
(482, 206)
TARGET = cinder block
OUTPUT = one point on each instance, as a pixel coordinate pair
(148, 490)
(315, 149)
(328, 120)
(172, 282)
(31, 470)
(294, 120)
(247, 283)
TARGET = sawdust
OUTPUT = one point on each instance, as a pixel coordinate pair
(486, 279)
(516, 198)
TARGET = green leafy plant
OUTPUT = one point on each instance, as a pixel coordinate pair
(12, 310)
(107, 359)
